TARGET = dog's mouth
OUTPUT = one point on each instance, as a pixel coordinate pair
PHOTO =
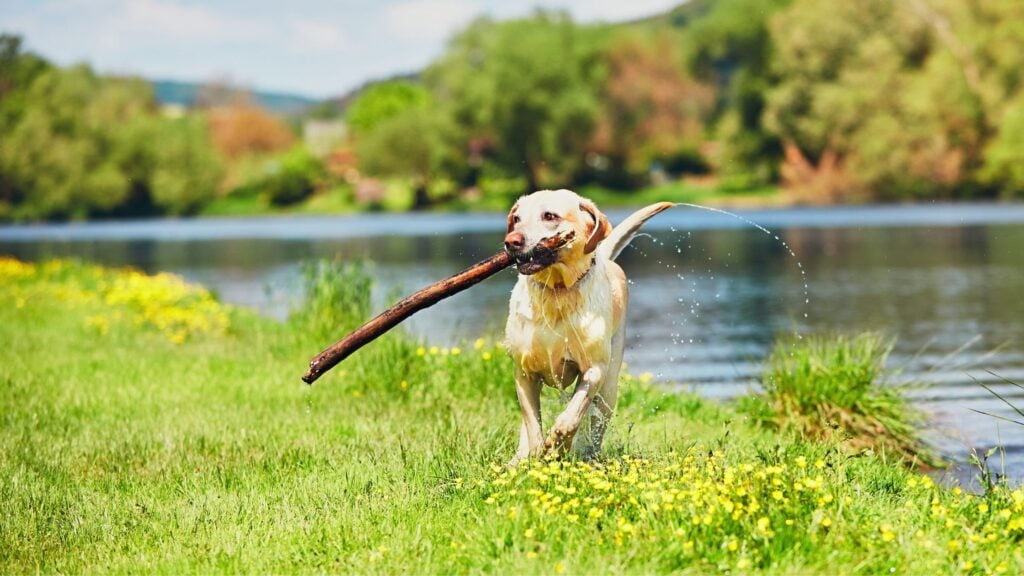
(535, 260)
(542, 254)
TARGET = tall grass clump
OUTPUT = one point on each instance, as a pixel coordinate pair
(337, 298)
(839, 388)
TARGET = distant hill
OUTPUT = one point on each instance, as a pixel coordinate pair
(185, 93)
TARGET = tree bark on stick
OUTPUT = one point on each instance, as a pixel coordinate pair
(408, 306)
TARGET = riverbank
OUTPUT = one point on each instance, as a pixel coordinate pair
(398, 198)
(149, 428)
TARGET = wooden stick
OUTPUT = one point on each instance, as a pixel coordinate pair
(424, 298)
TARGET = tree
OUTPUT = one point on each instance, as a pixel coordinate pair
(295, 178)
(382, 102)
(525, 87)
(81, 145)
(186, 169)
(651, 110)
(239, 129)
(18, 69)
(868, 86)
(410, 145)
(730, 47)
(56, 157)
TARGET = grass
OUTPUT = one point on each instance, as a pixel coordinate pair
(250, 202)
(683, 192)
(127, 446)
(839, 387)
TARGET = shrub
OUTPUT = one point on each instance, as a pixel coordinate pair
(295, 179)
(241, 129)
(186, 168)
(821, 386)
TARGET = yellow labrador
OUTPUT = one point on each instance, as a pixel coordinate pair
(566, 314)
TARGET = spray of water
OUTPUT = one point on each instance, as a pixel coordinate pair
(799, 265)
(691, 300)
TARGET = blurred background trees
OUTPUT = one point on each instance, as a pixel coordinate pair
(523, 92)
(78, 145)
(826, 101)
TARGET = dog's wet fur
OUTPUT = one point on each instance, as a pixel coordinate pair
(566, 314)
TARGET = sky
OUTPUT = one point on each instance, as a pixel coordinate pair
(316, 48)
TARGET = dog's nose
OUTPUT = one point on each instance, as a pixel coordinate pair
(514, 241)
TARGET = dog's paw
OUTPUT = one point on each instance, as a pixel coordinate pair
(559, 440)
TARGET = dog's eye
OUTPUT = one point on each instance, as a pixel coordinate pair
(549, 216)
(515, 219)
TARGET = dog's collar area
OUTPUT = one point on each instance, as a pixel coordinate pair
(586, 274)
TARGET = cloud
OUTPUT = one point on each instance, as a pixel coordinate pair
(169, 20)
(428, 20)
(316, 36)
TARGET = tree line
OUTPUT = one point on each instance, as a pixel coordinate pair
(878, 100)
(834, 102)
(79, 145)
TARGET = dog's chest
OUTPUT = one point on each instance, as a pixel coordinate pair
(545, 329)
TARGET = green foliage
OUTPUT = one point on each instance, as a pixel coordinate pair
(295, 177)
(17, 71)
(505, 87)
(382, 102)
(336, 298)
(186, 169)
(832, 102)
(76, 144)
(731, 46)
(416, 144)
(1004, 155)
(902, 99)
(406, 145)
(839, 388)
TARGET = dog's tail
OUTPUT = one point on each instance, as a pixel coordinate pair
(622, 234)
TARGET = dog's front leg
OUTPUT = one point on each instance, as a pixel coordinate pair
(568, 422)
(531, 433)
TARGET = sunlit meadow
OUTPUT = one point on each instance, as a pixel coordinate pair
(147, 427)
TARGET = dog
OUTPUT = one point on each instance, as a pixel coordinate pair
(566, 314)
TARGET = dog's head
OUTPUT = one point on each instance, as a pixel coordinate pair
(547, 213)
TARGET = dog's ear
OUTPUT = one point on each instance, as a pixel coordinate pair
(512, 218)
(599, 230)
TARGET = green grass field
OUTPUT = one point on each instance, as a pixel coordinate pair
(147, 428)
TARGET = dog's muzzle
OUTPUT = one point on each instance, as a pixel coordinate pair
(534, 260)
